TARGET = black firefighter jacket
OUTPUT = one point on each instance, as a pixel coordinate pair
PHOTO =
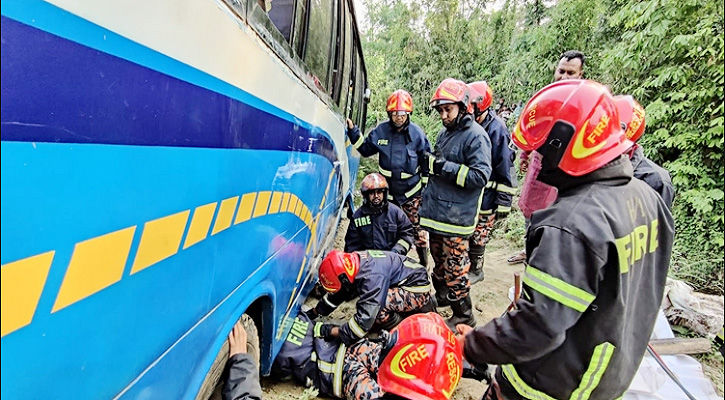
(243, 379)
(655, 176)
(385, 229)
(452, 199)
(597, 264)
(401, 157)
(379, 271)
(501, 187)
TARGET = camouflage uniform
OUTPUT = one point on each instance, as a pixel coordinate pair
(360, 369)
(450, 254)
(411, 207)
(484, 227)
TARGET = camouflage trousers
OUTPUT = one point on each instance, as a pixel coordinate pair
(403, 302)
(484, 227)
(360, 371)
(450, 254)
(411, 208)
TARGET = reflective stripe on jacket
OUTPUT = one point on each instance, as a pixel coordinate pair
(452, 199)
(379, 271)
(388, 229)
(400, 156)
(311, 359)
(597, 264)
(501, 187)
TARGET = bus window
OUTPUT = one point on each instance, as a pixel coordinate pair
(317, 52)
(338, 54)
(300, 26)
(282, 14)
(357, 93)
(346, 65)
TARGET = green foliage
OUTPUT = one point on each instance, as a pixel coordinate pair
(668, 54)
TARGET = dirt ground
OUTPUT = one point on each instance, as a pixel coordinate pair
(490, 299)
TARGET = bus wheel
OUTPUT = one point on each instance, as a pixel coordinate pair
(211, 389)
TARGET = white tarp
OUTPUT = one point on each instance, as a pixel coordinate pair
(652, 383)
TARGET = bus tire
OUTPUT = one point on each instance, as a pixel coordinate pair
(211, 389)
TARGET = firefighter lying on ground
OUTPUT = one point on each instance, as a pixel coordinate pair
(388, 287)
(420, 359)
(378, 224)
(597, 259)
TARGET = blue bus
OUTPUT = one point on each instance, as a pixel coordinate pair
(168, 167)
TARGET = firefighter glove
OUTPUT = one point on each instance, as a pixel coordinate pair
(435, 163)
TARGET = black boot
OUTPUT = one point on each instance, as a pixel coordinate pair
(422, 256)
(441, 289)
(391, 323)
(475, 274)
(428, 307)
(462, 313)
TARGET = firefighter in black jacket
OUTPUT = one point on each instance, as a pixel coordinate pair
(501, 187)
(387, 286)
(597, 259)
(459, 170)
(632, 116)
(421, 345)
(401, 147)
(378, 224)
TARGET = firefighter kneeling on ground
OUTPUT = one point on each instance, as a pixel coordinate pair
(378, 224)
(419, 360)
(388, 287)
(597, 259)
(501, 187)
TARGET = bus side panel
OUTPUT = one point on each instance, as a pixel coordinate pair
(127, 314)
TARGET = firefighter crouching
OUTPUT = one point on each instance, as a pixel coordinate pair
(378, 224)
(388, 287)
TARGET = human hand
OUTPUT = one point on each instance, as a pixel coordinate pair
(237, 340)
(438, 163)
(328, 331)
(463, 329)
(350, 125)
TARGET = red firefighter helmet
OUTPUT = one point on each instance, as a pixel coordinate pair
(451, 91)
(400, 100)
(373, 181)
(574, 124)
(481, 96)
(631, 114)
(336, 267)
(426, 361)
